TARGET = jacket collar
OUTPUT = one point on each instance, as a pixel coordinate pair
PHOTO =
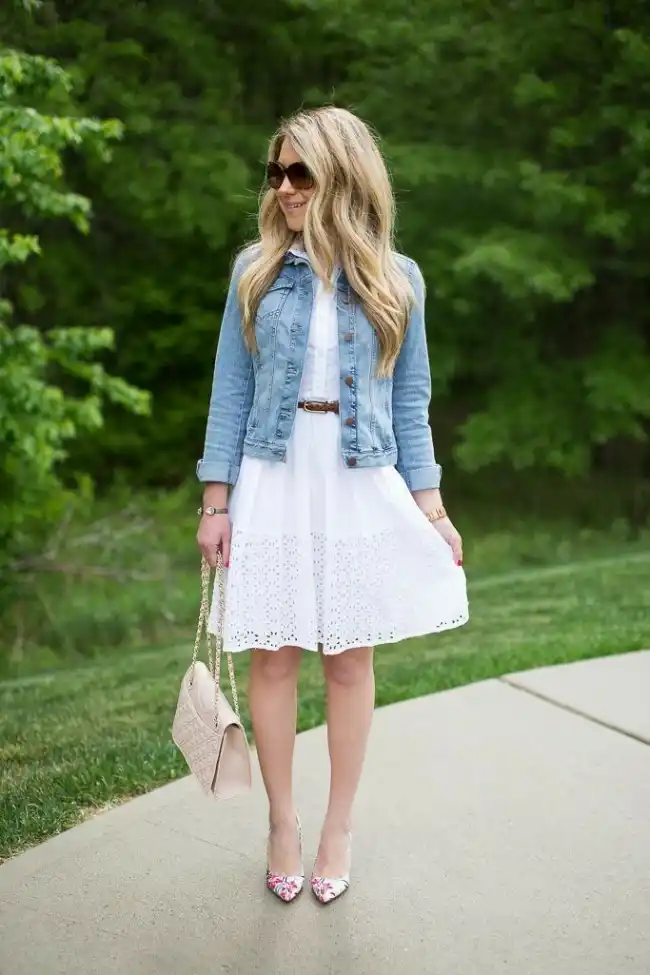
(297, 255)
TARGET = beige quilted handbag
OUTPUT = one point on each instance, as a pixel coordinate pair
(206, 728)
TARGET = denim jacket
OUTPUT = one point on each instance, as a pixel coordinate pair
(384, 422)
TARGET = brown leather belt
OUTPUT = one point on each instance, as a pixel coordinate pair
(315, 406)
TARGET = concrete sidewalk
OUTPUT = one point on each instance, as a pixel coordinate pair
(500, 827)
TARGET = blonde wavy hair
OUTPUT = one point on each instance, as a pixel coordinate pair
(349, 220)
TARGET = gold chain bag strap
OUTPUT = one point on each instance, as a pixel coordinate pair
(206, 728)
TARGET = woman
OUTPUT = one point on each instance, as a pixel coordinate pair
(335, 534)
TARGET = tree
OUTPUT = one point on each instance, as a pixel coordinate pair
(199, 88)
(52, 386)
(520, 141)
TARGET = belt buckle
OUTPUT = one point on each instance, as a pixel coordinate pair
(312, 407)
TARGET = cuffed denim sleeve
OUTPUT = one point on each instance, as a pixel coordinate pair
(233, 386)
(411, 397)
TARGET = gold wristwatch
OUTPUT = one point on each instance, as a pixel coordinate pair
(211, 510)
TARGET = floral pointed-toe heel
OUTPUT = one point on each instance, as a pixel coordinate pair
(328, 889)
(286, 887)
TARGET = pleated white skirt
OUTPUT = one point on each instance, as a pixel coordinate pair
(324, 557)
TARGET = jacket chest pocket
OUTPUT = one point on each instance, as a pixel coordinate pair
(273, 301)
(269, 314)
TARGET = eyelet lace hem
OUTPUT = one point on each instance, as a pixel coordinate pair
(318, 593)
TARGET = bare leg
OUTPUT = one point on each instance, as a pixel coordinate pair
(350, 703)
(273, 701)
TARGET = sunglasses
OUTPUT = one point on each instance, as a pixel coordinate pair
(297, 174)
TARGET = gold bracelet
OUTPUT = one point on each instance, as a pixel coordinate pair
(211, 510)
(436, 514)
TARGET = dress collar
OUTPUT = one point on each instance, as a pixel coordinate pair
(297, 250)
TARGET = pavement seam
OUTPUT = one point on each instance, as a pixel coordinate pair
(200, 839)
(505, 679)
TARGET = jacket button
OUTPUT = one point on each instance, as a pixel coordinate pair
(348, 336)
(350, 421)
(352, 461)
(349, 381)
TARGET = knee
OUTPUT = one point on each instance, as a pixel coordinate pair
(276, 665)
(348, 668)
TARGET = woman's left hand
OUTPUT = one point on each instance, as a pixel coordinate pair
(446, 528)
(429, 500)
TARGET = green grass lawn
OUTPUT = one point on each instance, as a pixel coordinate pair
(80, 739)
(123, 571)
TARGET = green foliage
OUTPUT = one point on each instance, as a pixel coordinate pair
(37, 419)
(519, 141)
(52, 388)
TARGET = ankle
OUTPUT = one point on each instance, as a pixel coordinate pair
(337, 824)
(282, 819)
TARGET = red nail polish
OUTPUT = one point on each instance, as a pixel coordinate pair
(460, 562)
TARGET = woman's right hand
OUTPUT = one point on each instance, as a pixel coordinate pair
(213, 536)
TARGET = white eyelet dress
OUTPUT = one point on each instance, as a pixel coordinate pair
(324, 557)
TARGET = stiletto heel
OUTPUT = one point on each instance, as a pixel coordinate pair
(287, 886)
(328, 889)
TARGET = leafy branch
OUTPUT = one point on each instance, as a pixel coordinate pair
(39, 414)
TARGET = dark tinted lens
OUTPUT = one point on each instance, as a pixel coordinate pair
(299, 176)
(274, 175)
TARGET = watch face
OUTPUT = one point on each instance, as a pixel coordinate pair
(210, 510)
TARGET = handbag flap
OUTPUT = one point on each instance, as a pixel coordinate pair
(233, 773)
(201, 694)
